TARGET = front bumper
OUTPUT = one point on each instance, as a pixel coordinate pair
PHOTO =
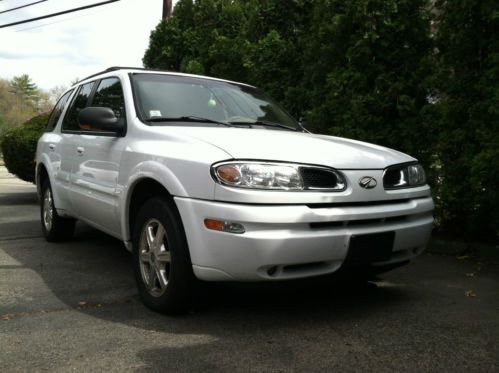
(294, 241)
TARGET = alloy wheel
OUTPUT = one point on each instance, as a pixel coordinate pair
(48, 210)
(154, 257)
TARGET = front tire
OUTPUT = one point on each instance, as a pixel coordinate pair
(55, 228)
(162, 264)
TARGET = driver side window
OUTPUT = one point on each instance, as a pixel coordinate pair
(110, 94)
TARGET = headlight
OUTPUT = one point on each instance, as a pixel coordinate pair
(277, 176)
(404, 176)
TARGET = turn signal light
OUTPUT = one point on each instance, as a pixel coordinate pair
(224, 226)
(229, 173)
(215, 225)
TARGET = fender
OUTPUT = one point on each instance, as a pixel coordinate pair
(44, 161)
(145, 170)
(37, 174)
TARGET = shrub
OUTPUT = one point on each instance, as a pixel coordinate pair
(417, 75)
(467, 82)
(19, 147)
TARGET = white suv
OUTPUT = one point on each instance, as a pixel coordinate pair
(208, 179)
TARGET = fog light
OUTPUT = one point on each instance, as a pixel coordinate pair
(233, 227)
(224, 226)
(272, 271)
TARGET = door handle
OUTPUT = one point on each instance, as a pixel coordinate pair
(52, 146)
(80, 150)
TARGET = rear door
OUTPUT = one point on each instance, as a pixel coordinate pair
(52, 145)
(96, 160)
(69, 137)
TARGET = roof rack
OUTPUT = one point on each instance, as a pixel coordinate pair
(115, 68)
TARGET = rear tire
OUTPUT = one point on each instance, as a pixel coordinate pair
(162, 263)
(55, 228)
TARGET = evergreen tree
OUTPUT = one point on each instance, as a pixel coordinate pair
(373, 70)
(467, 82)
(26, 92)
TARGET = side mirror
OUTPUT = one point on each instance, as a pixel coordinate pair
(100, 118)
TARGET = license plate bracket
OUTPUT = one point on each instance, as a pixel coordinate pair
(369, 248)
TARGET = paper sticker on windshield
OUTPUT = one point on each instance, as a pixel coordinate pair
(154, 113)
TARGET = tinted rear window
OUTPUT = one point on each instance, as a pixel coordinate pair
(80, 102)
(57, 112)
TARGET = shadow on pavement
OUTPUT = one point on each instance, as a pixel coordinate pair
(27, 198)
(96, 268)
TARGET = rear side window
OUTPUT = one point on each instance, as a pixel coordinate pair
(110, 94)
(58, 109)
(70, 122)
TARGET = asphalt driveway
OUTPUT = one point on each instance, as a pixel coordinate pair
(74, 307)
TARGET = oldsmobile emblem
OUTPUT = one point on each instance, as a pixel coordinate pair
(368, 182)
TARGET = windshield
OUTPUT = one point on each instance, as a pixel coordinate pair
(161, 98)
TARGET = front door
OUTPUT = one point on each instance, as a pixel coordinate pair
(96, 160)
(94, 180)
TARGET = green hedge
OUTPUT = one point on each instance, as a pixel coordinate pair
(19, 147)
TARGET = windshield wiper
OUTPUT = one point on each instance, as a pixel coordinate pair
(192, 118)
(263, 123)
(188, 118)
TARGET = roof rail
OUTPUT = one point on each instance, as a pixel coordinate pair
(115, 68)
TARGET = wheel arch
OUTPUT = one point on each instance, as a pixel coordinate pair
(42, 174)
(43, 171)
(138, 190)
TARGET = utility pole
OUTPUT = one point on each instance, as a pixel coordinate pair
(167, 9)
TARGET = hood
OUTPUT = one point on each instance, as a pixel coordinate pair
(287, 146)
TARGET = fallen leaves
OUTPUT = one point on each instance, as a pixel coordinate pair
(7, 316)
(476, 272)
(82, 305)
